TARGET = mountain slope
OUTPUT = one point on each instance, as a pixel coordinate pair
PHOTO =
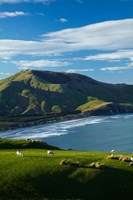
(39, 92)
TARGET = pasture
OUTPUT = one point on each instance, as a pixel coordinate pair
(39, 176)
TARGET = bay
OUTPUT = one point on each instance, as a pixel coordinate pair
(102, 133)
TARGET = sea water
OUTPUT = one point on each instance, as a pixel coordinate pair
(87, 134)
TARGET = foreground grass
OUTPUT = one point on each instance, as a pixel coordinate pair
(38, 176)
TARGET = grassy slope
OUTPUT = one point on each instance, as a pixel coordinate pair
(92, 104)
(34, 94)
(38, 176)
(21, 144)
(38, 92)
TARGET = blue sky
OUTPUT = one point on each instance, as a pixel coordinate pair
(90, 37)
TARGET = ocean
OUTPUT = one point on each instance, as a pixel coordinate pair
(100, 133)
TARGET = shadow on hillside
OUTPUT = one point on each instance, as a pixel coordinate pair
(77, 183)
(108, 184)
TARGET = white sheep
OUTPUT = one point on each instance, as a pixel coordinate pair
(112, 151)
(20, 154)
(49, 152)
(131, 159)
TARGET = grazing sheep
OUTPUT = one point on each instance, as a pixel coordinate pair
(70, 163)
(112, 151)
(113, 157)
(49, 152)
(131, 159)
(121, 157)
(131, 164)
(63, 162)
(98, 165)
(126, 159)
(20, 154)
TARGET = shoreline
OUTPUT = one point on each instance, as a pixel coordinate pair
(10, 123)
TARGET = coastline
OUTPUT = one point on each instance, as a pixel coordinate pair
(14, 122)
(8, 123)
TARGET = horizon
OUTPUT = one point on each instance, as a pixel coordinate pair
(87, 37)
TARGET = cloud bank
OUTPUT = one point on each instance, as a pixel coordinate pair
(115, 56)
(118, 68)
(108, 36)
(40, 63)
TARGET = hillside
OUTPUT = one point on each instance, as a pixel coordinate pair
(22, 144)
(33, 92)
(39, 176)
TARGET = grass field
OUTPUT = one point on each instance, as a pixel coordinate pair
(39, 176)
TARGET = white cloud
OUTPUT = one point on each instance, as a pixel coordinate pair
(79, 70)
(115, 56)
(40, 63)
(27, 1)
(10, 48)
(118, 68)
(12, 14)
(62, 20)
(109, 35)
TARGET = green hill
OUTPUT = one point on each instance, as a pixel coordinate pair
(33, 92)
(37, 176)
(22, 144)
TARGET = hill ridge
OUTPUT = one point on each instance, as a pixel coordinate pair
(32, 92)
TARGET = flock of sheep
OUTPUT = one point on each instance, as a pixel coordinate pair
(93, 165)
(121, 158)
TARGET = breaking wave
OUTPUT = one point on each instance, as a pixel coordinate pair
(58, 129)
